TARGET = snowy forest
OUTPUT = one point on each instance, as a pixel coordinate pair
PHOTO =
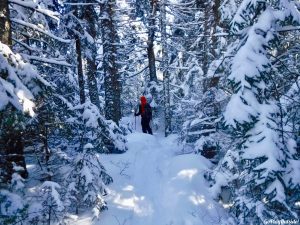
(223, 82)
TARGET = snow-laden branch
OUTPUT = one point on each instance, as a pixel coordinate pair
(288, 28)
(80, 4)
(225, 34)
(35, 7)
(51, 61)
(35, 27)
(181, 4)
(23, 44)
(133, 75)
(31, 49)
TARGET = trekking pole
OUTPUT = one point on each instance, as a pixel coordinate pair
(136, 108)
(134, 112)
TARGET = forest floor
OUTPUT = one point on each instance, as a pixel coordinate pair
(156, 185)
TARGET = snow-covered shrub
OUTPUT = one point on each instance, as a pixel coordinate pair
(200, 131)
(47, 206)
(13, 206)
(13, 209)
(103, 134)
(207, 146)
(225, 174)
(86, 182)
(51, 201)
(126, 127)
(17, 182)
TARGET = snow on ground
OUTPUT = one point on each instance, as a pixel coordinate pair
(153, 185)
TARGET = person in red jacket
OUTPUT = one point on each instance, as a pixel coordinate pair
(145, 111)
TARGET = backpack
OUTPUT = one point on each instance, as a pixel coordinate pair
(148, 112)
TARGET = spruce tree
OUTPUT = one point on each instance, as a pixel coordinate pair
(261, 189)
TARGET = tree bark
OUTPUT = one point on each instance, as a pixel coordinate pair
(150, 47)
(79, 48)
(166, 75)
(5, 26)
(80, 71)
(90, 53)
(151, 60)
(216, 22)
(111, 74)
(205, 46)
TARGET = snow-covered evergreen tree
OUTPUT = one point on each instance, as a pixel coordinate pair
(266, 157)
(197, 100)
(52, 206)
(103, 134)
(20, 84)
(13, 207)
(86, 182)
(69, 71)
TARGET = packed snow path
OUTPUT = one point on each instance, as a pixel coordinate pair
(154, 185)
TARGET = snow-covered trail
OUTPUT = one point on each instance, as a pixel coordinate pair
(155, 186)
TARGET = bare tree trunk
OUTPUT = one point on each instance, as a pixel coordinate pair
(151, 61)
(78, 48)
(216, 22)
(209, 26)
(80, 71)
(166, 75)
(90, 53)
(150, 48)
(5, 26)
(111, 74)
(206, 47)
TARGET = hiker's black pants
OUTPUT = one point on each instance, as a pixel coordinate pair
(146, 126)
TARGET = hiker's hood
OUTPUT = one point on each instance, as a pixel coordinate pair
(143, 100)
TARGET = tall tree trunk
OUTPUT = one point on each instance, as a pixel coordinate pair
(79, 62)
(150, 45)
(166, 75)
(80, 71)
(5, 26)
(206, 47)
(151, 60)
(90, 53)
(111, 74)
(216, 22)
